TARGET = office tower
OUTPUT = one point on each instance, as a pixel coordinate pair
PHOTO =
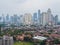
(7, 19)
(18, 21)
(7, 40)
(21, 20)
(15, 17)
(27, 19)
(56, 19)
(3, 18)
(53, 19)
(49, 16)
(44, 18)
(0, 19)
(11, 19)
(35, 19)
(39, 17)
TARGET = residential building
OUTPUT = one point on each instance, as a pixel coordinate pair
(21, 20)
(35, 19)
(27, 19)
(39, 17)
(44, 18)
(7, 40)
(56, 19)
(49, 16)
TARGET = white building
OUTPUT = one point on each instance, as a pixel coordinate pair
(44, 18)
(39, 38)
(7, 40)
(49, 16)
(27, 19)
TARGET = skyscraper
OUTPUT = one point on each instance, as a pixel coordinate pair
(39, 17)
(35, 19)
(1, 41)
(53, 19)
(15, 18)
(49, 16)
(3, 18)
(44, 18)
(56, 19)
(27, 19)
(11, 19)
(7, 19)
(21, 20)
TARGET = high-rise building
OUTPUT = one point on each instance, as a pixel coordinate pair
(11, 19)
(7, 20)
(35, 19)
(15, 18)
(53, 20)
(56, 19)
(7, 40)
(7, 17)
(21, 20)
(3, 17)
(1, 41)
(44, 18)
(49, 16)
(39, 17)
(27, 19)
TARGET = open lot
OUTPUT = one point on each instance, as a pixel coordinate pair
(23, 43)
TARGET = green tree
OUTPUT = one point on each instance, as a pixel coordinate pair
(56, 41)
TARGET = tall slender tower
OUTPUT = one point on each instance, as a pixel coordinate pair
(35, 19)
(49, 16)
(7, 19)
(21, 20)
(39, 17)
(56, 19)
(3, 18)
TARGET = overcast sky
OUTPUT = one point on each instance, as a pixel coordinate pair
(28, 6)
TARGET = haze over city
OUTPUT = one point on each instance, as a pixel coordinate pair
(29, 22)
(28, 6)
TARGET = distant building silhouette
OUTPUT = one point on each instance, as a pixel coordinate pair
(6, 40)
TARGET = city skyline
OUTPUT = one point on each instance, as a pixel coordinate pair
(28, 6)
(37, 18)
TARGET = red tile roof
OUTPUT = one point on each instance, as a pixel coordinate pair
(55, 35)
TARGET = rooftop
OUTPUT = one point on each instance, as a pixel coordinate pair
(39, 38)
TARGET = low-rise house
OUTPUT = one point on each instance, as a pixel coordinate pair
(55, 35)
